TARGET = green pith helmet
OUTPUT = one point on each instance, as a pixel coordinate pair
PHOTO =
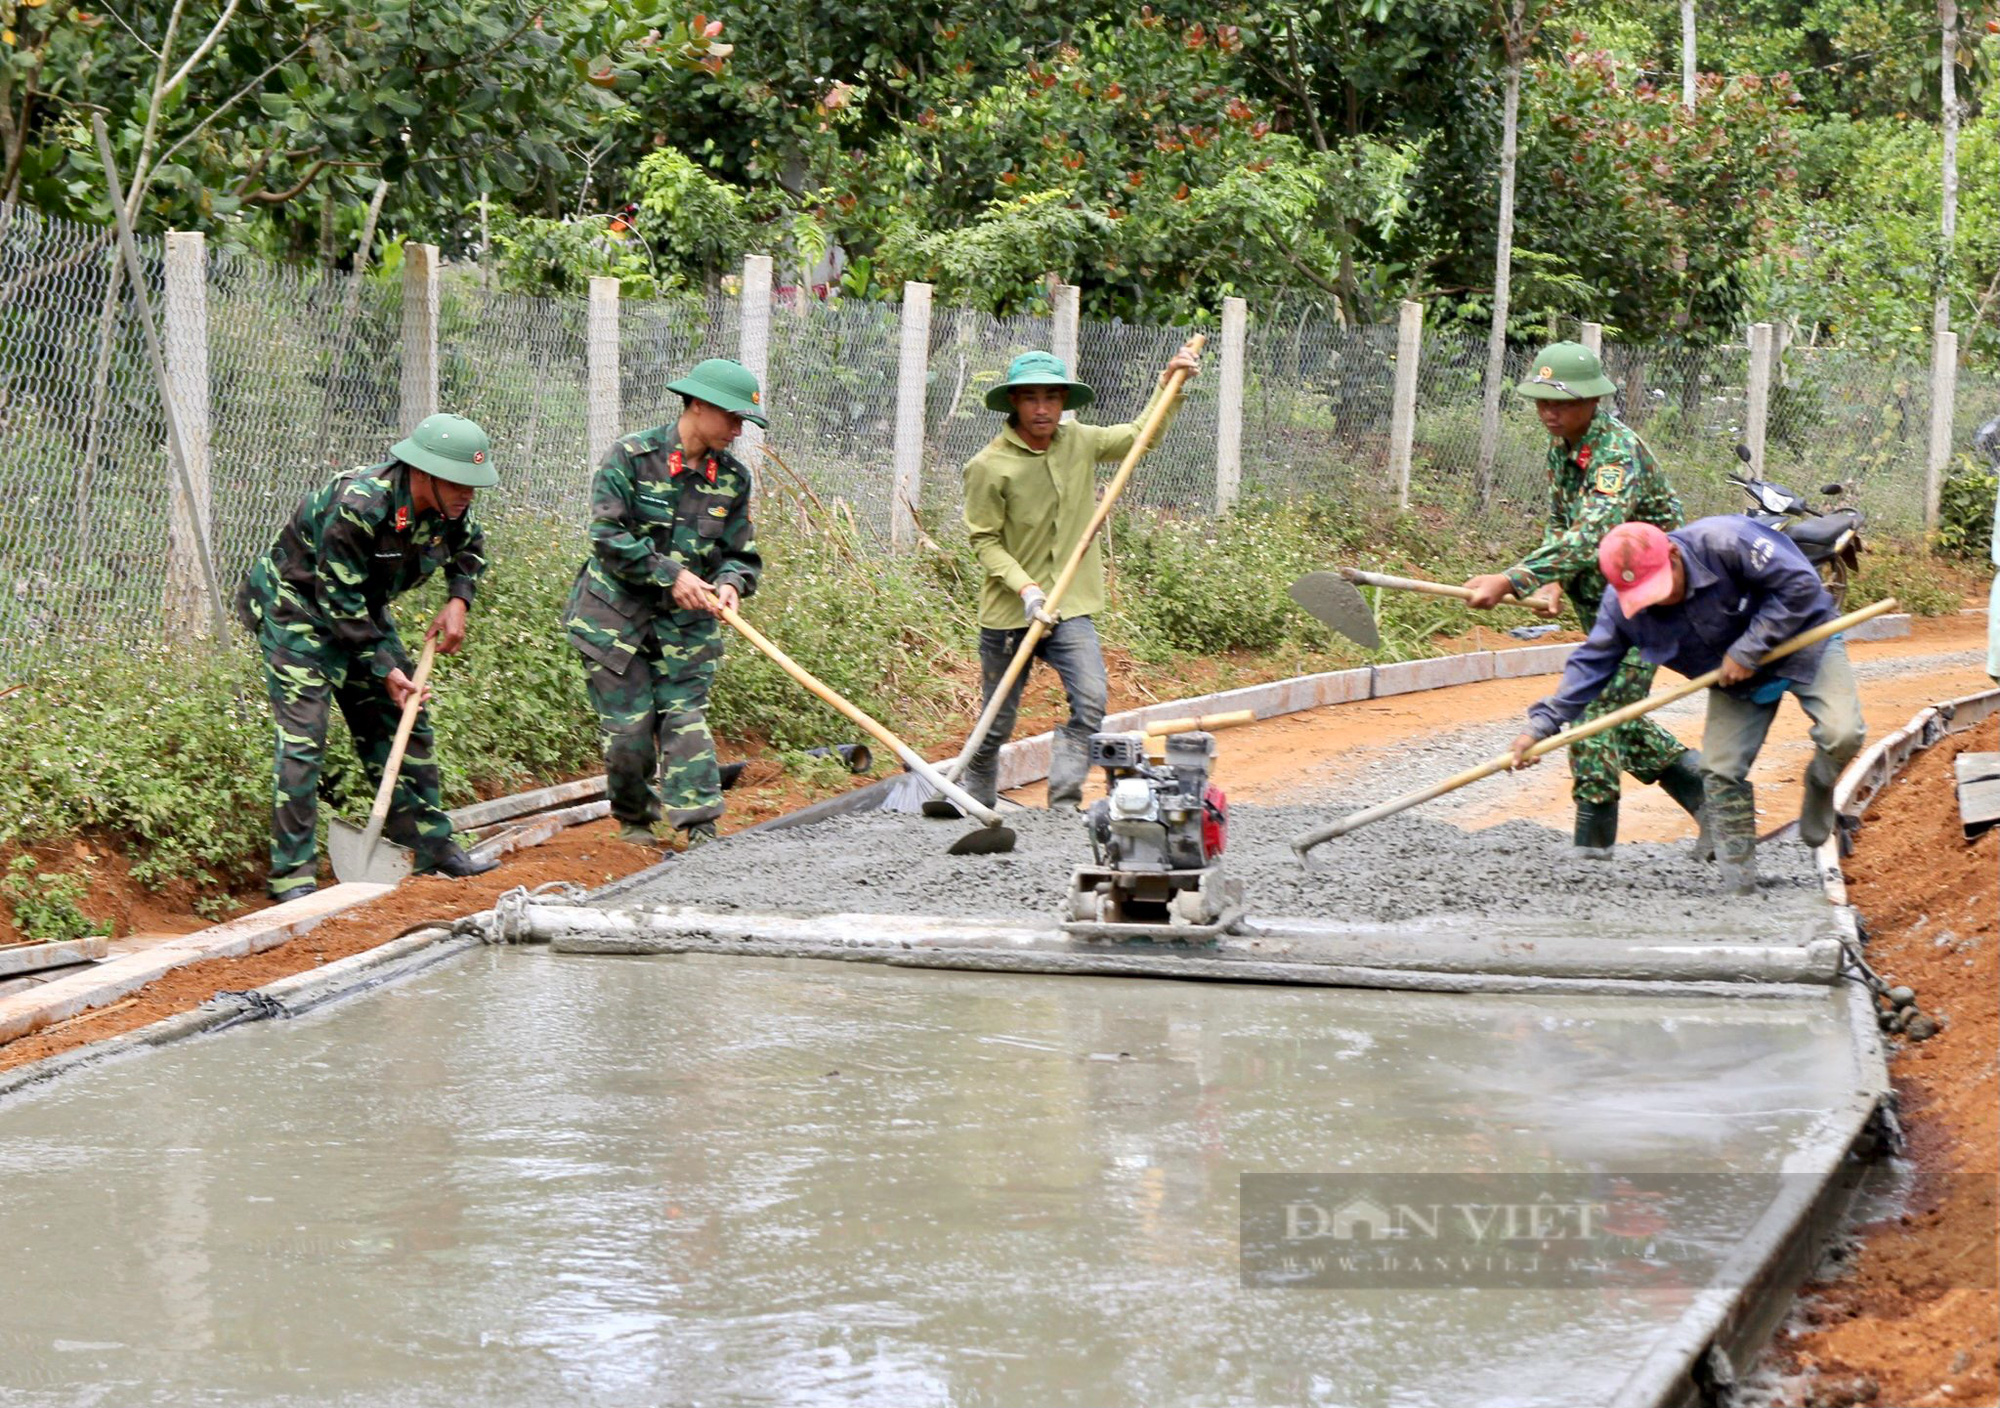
(1038, 369)
(729, 385)
(1566, 371)
(451, 447)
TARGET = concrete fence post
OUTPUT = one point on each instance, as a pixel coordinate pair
(185, 352)
(601, 359)
(1757, 395)
(1944, 399)
(420, 333)
(1229, 405)
(754, 341)
(912, 382)
(1593, 338)
(1403, 410)
(1065, 304)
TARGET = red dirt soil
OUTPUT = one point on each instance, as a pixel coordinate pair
(1917, 1320)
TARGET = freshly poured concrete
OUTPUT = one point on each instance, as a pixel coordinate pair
(1409, 868)
(528, 1179)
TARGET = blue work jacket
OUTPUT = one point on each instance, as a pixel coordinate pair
(1748, 589)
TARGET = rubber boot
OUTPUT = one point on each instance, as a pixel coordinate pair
(702, 833)
(1682, 782)
(637, 833)
(1596, 830)
(1736, 848)
(450, 859)
(1816, 814)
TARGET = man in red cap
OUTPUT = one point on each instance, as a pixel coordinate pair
(1721, 593)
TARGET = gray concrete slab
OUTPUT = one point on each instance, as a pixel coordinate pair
(524, 1179)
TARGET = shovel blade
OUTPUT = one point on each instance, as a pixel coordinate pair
(1335, 603)
(355, 861)
(986, 841)
(941, 808)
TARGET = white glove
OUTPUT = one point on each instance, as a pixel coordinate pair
(1035, 602)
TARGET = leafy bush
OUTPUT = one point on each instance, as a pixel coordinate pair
(1921, 583)
(1965, 511)
(46, 906)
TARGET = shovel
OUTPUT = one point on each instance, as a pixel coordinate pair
(1037, 628)
(1306, 840)
(1331, 599)
(362, 855)
(992, 838)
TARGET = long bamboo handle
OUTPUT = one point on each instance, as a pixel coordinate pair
(1306, 840)
(909, 756)
(380, 812)
(1416, 584)
(1149, 428)
(1235, 718)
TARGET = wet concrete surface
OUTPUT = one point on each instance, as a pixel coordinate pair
(529, 1179)
(1408, 868)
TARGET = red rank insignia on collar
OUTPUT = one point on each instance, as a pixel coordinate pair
(402, 519)
(675, 466)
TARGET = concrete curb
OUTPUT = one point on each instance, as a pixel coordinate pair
(287, 997)
(1721, 1334)
(21, 958)
(27, 1012)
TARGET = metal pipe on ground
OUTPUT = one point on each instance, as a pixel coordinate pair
(1288, 951)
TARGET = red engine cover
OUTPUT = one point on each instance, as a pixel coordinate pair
(1214, 821)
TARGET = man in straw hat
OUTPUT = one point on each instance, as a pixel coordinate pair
(1721, 593)
(1600, 475)
(671, 543)
(1029, 495)
(318, 604)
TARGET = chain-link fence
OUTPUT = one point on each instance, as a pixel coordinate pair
(284, 375)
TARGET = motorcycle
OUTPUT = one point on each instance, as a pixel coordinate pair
(1829, 535)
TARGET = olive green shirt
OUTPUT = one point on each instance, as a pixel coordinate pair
(1026, 511)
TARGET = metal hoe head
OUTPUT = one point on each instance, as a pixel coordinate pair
(985, 841)
(941, 809)
(1337, 604)
(359, 857)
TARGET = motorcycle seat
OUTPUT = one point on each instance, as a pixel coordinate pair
(1823, 531)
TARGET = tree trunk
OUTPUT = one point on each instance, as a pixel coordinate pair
(1948, 211)
(1687, 54)
(1503, 263)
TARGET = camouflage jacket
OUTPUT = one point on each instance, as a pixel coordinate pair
(1609, 478)
(351, 547)
(651, 517)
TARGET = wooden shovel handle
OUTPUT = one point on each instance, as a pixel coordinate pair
(1416, 584)
(909, 756)
(380, 811)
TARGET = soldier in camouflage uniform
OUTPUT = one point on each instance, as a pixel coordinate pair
(317, 604)
(671, 540)
(1600, 475)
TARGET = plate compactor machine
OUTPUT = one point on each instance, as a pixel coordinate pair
(1157, 842)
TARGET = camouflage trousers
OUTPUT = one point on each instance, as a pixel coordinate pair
(1642, 747)
(302, 699)
(654, 723)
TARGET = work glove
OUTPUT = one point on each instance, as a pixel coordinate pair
(1035, 602)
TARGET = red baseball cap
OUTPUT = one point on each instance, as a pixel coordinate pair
(1635, 560)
